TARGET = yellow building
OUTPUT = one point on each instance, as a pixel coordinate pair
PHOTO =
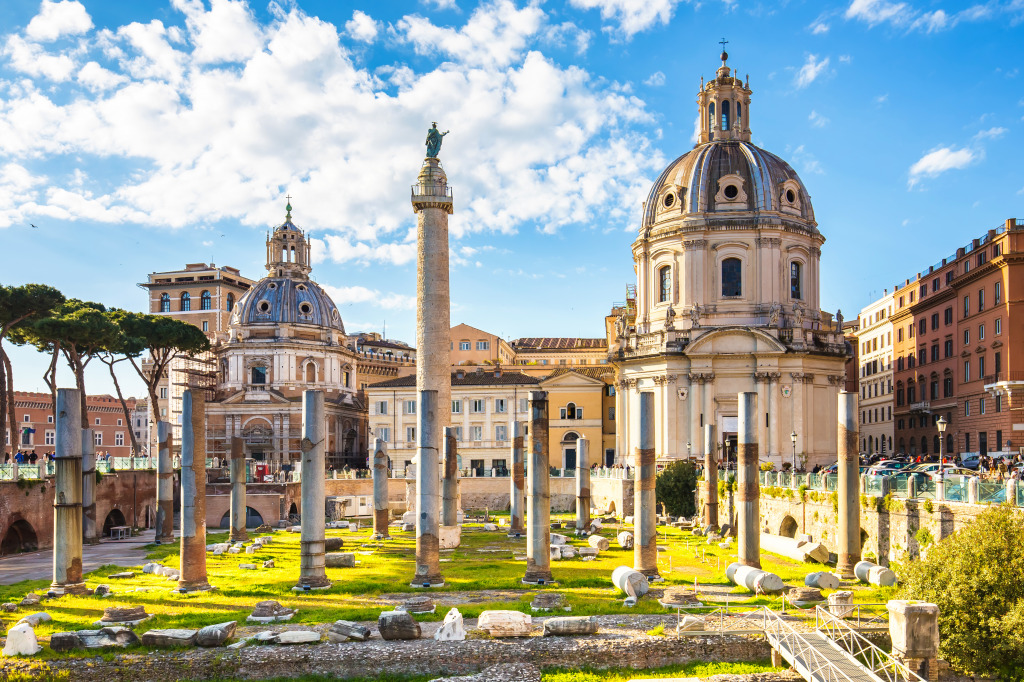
(472, 346)
(545, 352)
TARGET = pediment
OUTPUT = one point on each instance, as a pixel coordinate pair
(735, 341)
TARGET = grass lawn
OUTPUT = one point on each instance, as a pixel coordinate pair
(485, 561)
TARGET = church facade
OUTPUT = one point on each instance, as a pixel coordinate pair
(727, 300)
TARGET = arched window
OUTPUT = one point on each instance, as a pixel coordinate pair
(911, 393)
(924, 445)
(231, 302)
(796, 280)
(186, 302)
(165, 303)
(711, 116)
(205, 301)
(665, 284)
(310, 373)
(291, 258)
(739, 114)
(732, 277)
(725, 115)
(569, 411)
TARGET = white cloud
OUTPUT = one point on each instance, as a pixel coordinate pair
(17, 186)
(29, 58)
(930, 22)
(632, 16)
(991, 134)
(95, 77)
(882, 99)
(56, 19)
(845, 59)
(817, 120)
(360, 294)
(226, 33)
(361, 27)
(819, 27)
(811, 71)
(656, 79)
(878, 11)
(941, 160)
(904, 16)
(805, 161)
(441, 4)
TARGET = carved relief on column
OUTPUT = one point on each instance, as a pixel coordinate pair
(768, 241)
(659, 380)
(694, 244)
(802, 377)
(836, 379)
(671, 378)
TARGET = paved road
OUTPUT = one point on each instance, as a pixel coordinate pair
(35, 565)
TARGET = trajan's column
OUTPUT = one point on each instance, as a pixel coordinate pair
(432, 202)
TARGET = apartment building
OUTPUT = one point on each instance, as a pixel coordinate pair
(37, 431)
(874, 361)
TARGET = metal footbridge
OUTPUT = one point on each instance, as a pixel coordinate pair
(833, 651)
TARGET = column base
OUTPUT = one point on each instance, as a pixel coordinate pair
(184, 587)
(517, 534)
(311, 585)
(380, 536)
(239, 537)
(539, 578)
(427, 582)
(69, 588)
(844, 568)
(652, 574)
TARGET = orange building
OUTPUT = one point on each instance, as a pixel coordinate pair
(38, 433)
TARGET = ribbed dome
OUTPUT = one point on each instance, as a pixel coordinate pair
(276, 300)
(727, 176)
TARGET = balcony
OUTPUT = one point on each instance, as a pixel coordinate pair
(921, 406)
(257, 393)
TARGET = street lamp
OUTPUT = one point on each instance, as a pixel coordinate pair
(792, 437)
(941, 424)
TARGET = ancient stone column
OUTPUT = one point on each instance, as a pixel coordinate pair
(164, 485)
(312, 562)
(914, 632)
(709, 486)
(432, 203)
(90, 534)
(193, 491)
(849, 486)
(67, 500)
(428, 503)
(380, 489)
(582, 484)
(748, 490)
(645, 513)
(538, 501)
(450, 483)
(238, 506)
(518, 482)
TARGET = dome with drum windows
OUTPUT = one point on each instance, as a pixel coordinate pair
(726, 177)
(287, 295)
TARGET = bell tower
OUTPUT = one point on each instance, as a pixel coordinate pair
(724, 105)
(287, 249)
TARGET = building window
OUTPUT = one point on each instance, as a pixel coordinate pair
(967, 337)
(165, 303)
(206, 326)
(49, 419)
(483, 345)
(186, 302)
(967, 408)
(732, 277)
(922, 356)
(50, 437)
(97, 438)
(725, 115)
(981, 332)
(711, 116)
(409, 407)
(205, 301)
(935, 352)
(981, 406)
(500, 433)
(524, 405)
(999, 403)
(476, 433)
(456, 407)
(458, 433)
(119, 422)
(999, 326)
(795, 280)
(382, 407)
(935, 321)
(665, 284)
(947, 316)
(476, 406)
(410, 434)
(981, 367)
(922, 327)
(981, 300)
(947, 387)
(500, 406)
(967, 370)
(948, 348)
(967, 305)
(384, 433)
(230, 302)
(999, 363)
(119, 438)
(463, 345)
(258, 375)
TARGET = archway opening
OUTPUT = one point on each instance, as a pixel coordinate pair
(788, 527)
(569, 449)
(863, 539)
(293, 513)
(114, 519)
(20, 537)
(253, 519)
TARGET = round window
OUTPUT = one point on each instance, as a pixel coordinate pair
(669, 200)
(264, 307)
(731, 192)
(305, 308)
(301, 287)
(272, 286)
(790, 196)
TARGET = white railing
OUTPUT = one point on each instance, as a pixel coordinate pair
(807, 658)
(880, 663)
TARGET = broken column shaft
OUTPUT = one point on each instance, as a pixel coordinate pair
(748, 490)
(849, 486)
(645, 525)
(380, 489)
(90, 535)
(164, 485)
(193, 491)
(428, 566)
(450, 483)
(709, 486)
(582, 484)
(538, 501)
(238, 505)
(517, 506)
(67, 500)
(312, 562)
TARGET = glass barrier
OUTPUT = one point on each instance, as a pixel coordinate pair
(6, 472)
(956, 489)
(991, 492)
(900, 485)
(873, 485)
(925, 488)
(831, 482)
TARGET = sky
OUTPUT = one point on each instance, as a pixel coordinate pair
(136, 137)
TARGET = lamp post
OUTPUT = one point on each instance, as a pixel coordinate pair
(792, 437)
(941, 424)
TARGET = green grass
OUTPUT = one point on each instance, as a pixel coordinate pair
(388, 569)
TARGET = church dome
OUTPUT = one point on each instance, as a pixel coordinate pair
(724, 177)
(280, 300)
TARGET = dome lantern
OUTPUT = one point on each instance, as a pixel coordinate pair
(724, 106)
(288, 252)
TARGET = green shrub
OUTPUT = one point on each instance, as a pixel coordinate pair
(928, 506)
(924, 537)
(973, 577)
(674, 487)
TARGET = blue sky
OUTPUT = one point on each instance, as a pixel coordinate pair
(142, 136)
